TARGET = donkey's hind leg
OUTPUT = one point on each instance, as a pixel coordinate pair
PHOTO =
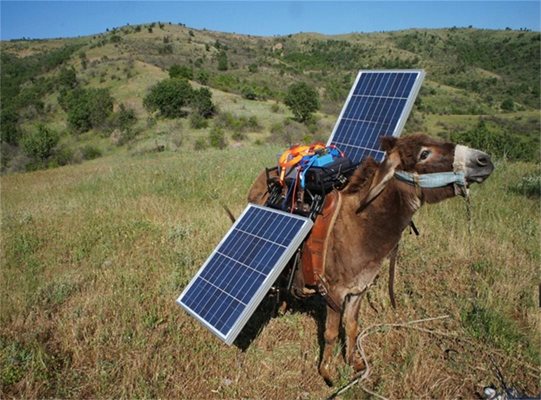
(351, 325)
(332, 328)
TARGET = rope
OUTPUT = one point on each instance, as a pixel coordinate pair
(410, 325)
(371, 329)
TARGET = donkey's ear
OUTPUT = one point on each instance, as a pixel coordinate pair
(388, 143)
(383, 174)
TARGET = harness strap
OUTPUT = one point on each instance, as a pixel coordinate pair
(432, 181)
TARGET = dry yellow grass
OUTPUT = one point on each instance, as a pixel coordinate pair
(94, 256)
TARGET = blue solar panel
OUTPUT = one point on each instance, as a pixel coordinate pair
(378, 105)
(238, 274)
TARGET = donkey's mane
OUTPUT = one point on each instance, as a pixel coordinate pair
(362, 176)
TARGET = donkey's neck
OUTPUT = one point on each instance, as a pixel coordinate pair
(396, 206)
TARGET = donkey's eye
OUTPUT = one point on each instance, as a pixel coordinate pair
(424, 155)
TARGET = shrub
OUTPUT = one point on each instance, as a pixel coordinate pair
(529, 185)
(499, 144)
(202, 76)
(200, 144)
(508, 105)
(222, 61)
(63, 156)
(67, 78)
(40, 143)
(169, 96)
(197, 121)
(180, 71)
(237, 124)
(302, 100)
(288, 133)
(217, 138)
(249, 92)
(202, 102)
(275, 107)
(238, 136)
(86, 108)
(90, 152)
(9, 128)
(123, 119)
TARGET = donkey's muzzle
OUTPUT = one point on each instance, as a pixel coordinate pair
(478, 166)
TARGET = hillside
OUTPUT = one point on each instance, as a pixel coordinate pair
(471, 75)
(94, 256)
(104, 224)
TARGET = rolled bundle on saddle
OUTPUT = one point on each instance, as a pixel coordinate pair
(304, 175)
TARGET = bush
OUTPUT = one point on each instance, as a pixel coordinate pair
(180, 71)
(202, 76)
(40, 143)
(498, 144)
(222, 61)
(86, 108)
(90, 152)
(198, 122)
(288, 133)
(67, 78)
(202, 102)
(529, 185)
(249, 92)
(9, 128)
(237, 124)
(169, 97)
(200, 144)
(172, 95)
(239, 136)
(508, 105)
(123, 119)
(63, 156)
(302, 100)
(217, 138)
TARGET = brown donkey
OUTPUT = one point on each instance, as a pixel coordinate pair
(377, 205)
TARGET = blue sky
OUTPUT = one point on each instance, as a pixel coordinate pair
(46, 19)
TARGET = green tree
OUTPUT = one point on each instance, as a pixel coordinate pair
(9, 128)
(202, 103)
(169, 97)
(222, 61)
(123, 119)
(86, 108)
(67, 78)
(249, 92)
(180, 71)
(217, 138)
(40, 143)
(302, 100)
(508, 105)
(202, 76)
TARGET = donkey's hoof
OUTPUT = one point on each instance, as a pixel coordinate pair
(357, 363)
(326, 373)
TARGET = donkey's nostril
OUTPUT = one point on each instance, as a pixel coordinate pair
(483, 160)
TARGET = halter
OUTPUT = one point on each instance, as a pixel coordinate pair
(432, 181)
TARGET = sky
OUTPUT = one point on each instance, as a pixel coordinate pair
(49, 19)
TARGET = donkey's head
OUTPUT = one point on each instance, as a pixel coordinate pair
(436, 169)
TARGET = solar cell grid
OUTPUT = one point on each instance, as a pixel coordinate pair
(378, 105)
(240, 271)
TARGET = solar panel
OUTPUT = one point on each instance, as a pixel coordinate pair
(378, 105)
(238, 274)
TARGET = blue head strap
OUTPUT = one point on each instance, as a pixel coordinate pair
(432, 181)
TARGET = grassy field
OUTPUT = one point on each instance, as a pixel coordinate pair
(94, 256)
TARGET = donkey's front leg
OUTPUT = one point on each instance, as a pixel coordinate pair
(332, 328)
(351, 325)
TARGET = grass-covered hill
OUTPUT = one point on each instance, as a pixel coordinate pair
(95, 251)
(471, 75)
